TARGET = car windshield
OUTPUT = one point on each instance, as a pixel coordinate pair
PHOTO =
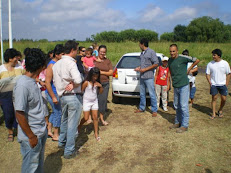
(129, 62)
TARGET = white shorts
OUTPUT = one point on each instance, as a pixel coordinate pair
(90, 105)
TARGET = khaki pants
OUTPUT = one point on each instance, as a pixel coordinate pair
(164, 94)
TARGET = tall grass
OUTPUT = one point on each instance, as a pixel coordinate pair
(115, 50)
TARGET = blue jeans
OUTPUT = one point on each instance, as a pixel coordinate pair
(33, 158)
(181, 104)
(55, 117)
(71, 109)
(147, 83)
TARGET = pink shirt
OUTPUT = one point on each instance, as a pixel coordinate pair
(89, 61)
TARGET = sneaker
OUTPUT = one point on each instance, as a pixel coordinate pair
(174, 126)
(182, 130)
(74, 154)
(165, 109)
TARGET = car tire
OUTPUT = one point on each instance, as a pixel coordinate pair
(115, 99)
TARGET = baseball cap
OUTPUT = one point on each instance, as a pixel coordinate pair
(165, 58)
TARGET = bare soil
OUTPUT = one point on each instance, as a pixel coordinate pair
(140, 143)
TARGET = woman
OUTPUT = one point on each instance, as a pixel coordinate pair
(52, 96)
(106, 70)
(8, 70)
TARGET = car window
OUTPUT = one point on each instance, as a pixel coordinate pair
(129, 62)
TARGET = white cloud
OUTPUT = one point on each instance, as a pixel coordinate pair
(67, 19)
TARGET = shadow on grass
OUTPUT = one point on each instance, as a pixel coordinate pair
(53, 162)
(86, 130)
(1, 119)
(168, 116)
(203, 109)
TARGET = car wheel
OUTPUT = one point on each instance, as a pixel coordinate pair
(115, 99)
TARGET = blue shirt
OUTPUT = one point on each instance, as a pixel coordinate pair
(27, 98)
(148, 58)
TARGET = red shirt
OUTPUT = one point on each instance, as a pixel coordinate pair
(162, 76)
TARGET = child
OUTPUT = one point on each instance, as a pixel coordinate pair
(90, 100)
(95, 49)
(192, 78)
(162, 78)
(88, 60)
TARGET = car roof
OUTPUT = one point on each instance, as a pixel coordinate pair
(138, 54)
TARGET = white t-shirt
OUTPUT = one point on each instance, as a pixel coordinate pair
(218, 72)
(190, 76)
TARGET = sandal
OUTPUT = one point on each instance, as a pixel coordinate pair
(220, 114)
(10, 138)
(105, 123)
(212, 117)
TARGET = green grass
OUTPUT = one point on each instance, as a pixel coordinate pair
(116, 50)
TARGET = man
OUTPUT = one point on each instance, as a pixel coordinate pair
(79, 62)
(218, 76)
(67, 81)
(28, 104)
(149, 62)
(178, 70)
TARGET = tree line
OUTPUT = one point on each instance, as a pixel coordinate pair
(202, 29)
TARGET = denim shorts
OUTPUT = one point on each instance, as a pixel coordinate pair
(192, 92)
(221, 89)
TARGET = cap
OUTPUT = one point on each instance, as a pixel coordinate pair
(165, 58)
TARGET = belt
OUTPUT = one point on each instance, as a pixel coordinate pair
(69, 94)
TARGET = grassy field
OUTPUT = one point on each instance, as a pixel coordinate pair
(139, 143)
(116, 50)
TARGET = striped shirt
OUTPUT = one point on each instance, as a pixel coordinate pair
(148, 58)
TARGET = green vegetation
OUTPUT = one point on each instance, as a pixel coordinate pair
(203, 29)
(116, 50)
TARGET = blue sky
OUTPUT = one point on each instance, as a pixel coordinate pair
(78, 19)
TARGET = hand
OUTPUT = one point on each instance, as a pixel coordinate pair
(42, 84)
(137, 69)
(55, 100)
(97, 84)
(33, 141)
(70, 86)
(142, 70)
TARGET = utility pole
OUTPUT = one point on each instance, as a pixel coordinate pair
(10, 27)
(1, 31)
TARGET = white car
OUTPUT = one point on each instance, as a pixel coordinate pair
(125, 81)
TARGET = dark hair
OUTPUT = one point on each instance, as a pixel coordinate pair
(10, 54)
(89, 50)
(174, 45)
(26, 51)
(217, 51)
(19, 54)
(81, 47)
(58, 49)
(35, 59)
(144, 41)
(69, 45)
(102, 46)
(93, 71)
(185, 52)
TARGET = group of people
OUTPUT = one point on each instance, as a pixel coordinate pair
(76, 79)
(70, 83)
(181, 69)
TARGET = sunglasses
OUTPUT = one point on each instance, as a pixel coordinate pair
(83, 50)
